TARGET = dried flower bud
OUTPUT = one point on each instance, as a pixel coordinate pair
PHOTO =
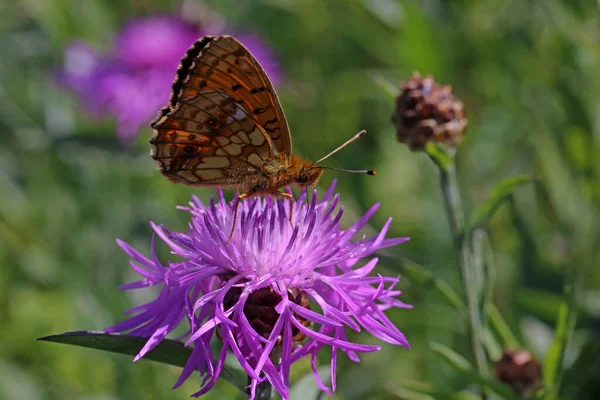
(426, 110)
(520, 370)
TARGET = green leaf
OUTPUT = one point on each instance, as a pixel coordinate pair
(407, 394)
(500, 193)
(306, 387)
(168, 351)
(465, 369)
(442, 156)
(465, 395)
(545, 305)
(501, 327)
(554, 357)
(491, 344)
(451, 357)
(583, 373)
(387, 87)
(552, 367)
(421, 276)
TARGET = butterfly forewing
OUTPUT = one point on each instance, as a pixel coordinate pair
(224, 120)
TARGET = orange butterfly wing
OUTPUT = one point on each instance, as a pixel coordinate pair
(224, 120)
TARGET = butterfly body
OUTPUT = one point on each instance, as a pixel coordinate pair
(224, 125)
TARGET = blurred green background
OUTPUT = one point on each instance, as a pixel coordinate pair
(527, 71)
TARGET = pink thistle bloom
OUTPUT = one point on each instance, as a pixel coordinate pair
(273, 295)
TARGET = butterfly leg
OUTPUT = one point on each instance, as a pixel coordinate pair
(286, 195)
(235, 210)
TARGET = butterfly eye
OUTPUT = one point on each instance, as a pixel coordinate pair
(188, 150)
(303, 177)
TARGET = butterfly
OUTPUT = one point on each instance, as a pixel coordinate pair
(224, 126)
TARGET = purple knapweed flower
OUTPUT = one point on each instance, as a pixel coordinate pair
(133, 82)
(274, 294)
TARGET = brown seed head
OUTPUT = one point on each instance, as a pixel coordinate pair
(520, 370)
(426, 110)
(261, 313)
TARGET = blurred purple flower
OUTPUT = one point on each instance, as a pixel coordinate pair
(134, 82)
(258, 293)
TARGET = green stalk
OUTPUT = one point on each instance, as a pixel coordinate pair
(470, 281)
(264, 390)
(553, 366)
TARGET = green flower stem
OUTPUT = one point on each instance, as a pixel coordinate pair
(264, 390)
(470, 280)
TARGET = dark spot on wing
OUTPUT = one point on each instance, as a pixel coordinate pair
(258, 90)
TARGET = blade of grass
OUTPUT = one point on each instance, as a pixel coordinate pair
(501, 192)
(554, 360)
(387, 87)
(501, 328)
(465, 368)
(421, 276)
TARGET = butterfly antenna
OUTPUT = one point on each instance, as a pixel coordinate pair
(352, 171)
(358, 135)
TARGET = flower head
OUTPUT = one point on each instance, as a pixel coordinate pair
(520, 370)
(274, 294)
(133, 81)
(427, 111)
